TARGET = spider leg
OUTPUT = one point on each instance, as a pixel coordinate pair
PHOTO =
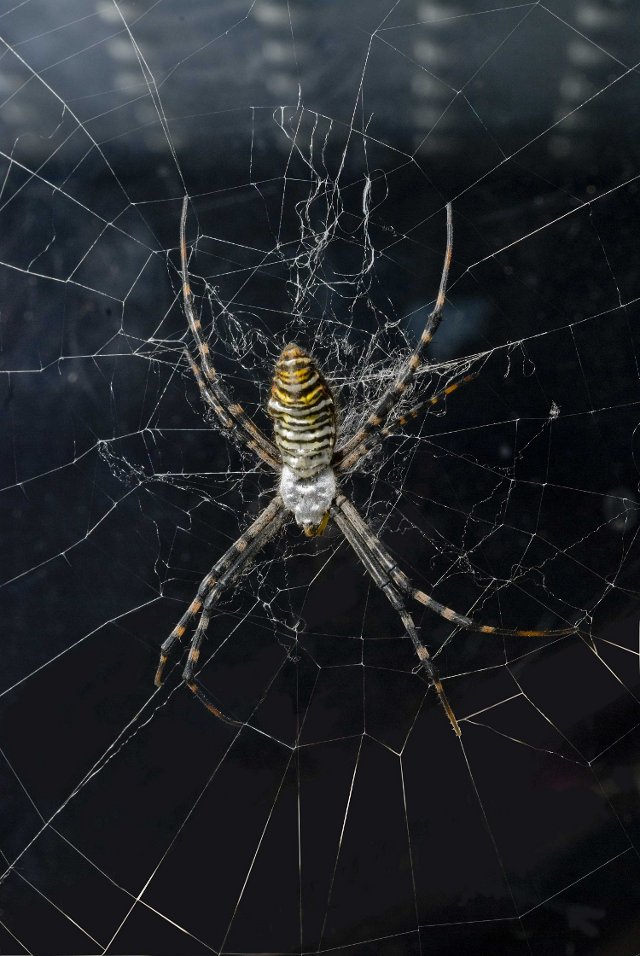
(395, 598)
(406, 375)
(230, 414)
(207, 396)
(354, 519)
(229, 576)
(374, 439)
(226, 569)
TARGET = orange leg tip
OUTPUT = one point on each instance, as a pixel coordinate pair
(452, 720)
(159, 675)
(447, 708)
(193, 687)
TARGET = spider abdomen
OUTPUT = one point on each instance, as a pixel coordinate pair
(303, 412)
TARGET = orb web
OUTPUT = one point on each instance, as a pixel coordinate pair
(318, 148)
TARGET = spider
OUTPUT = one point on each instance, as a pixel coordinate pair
(304, 455)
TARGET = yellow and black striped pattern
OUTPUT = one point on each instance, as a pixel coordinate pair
(303, 412)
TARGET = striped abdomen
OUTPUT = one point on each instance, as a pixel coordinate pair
(303, 412)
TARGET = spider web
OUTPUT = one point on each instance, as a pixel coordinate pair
(318, 145)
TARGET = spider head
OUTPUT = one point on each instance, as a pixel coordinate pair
(313, 531)
(308, 499)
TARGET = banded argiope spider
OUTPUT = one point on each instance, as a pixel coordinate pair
(310, 466)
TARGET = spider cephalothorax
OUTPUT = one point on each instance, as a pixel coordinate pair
(304, 425)
(307, 456)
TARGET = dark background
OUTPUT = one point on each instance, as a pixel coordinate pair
(344, 816)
